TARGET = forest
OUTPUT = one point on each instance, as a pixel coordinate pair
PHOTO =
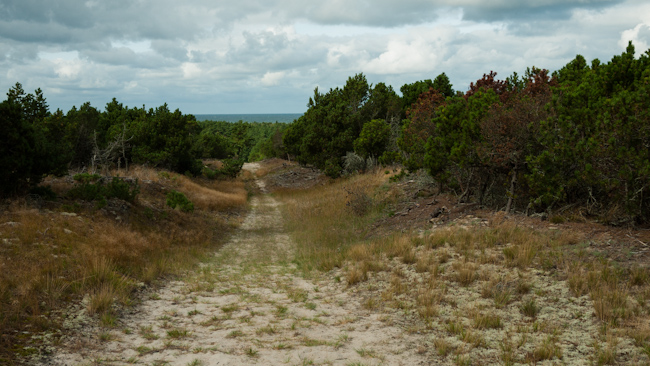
(537, 143)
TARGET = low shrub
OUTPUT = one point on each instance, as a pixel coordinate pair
(178, 200)
(230, 169)
(92, 188)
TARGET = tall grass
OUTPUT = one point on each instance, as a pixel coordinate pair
(324, 226)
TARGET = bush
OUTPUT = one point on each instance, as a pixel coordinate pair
(45, 192)
(86, 192)
(92, 188)
(118, 188)
(178, 200)
(373, 139)
(353, 163)
(230, 169)
(86, 178)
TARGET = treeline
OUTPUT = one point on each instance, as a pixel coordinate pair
(36, 142)
(541, 142)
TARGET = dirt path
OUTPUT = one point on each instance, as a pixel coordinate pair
(248, 305)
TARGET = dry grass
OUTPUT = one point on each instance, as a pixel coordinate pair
(465, 272)
(311, 215)
(205, 194)
(502, 262)
(48, 258)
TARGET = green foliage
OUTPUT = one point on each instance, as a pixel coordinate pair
(212, 145)
(329, 128)
(86, 192)
(45, 192)
(164, 138)
(248, 141)
(373, 139)
(118, 188)
(412, 92)
(86, 177)
(230, 169)
(28, 150)
(177, 200)
(91, 187)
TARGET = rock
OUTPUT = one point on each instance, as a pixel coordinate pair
(70, 214)
(67, 231)
(11, 224)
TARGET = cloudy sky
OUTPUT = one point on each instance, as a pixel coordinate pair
(266, 56)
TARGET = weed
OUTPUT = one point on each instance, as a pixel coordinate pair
(251, 352)
(178, 333)
(529, 308)
(235, 334)
(606, 356)
(442, 347)
(409, 257)
(507, 351)
(269, 329)
(144, 350)
(281, 346)
(105, 336)
(195, 362)
(545, 351)
(281, 310)
(462, 360)
(309, 342)
(230, 308)
(465, 273)
(487, 321)
(610, 305)
(356, 274)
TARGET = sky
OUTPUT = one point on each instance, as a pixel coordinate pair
(267, 56)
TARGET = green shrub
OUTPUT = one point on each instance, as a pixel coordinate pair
(86, 192)
(117, 188)
(87, 178)
(45, 192)
(230, 169)
(178, 200)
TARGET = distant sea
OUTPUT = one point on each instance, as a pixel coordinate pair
(261, 117)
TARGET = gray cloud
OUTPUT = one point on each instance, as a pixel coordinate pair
(251, 55)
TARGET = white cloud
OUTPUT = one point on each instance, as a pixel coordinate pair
(272, 78)
(639, 35)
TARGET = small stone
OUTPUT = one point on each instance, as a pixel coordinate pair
(70, 214)
(67, 231)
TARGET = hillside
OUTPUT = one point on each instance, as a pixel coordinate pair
(97, 243)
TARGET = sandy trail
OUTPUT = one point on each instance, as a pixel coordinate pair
(249, 305)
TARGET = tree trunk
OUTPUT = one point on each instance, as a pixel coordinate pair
(511, 193)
